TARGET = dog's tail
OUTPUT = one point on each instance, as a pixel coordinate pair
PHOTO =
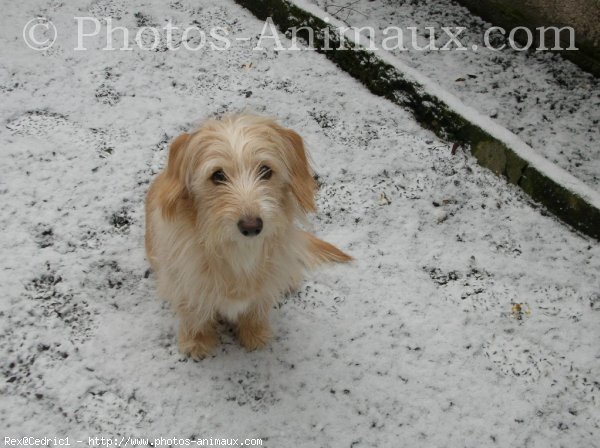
(320, 252)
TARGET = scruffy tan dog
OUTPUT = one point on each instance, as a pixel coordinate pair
(221, 230)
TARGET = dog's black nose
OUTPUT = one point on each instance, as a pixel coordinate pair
(250, 226)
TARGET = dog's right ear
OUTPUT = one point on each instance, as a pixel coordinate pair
(174, 188)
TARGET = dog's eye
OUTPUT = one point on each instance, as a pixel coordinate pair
(218, 177)
(265, 172)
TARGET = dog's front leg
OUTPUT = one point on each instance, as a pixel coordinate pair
(196, 339)
(253, 327)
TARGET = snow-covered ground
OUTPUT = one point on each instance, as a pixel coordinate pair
(549, 102)
(470, 317)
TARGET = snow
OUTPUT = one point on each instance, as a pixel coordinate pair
(417, 341)
(552, 105)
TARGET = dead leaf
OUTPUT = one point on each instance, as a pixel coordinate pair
(454, 148)
(519, 310)
(383, 199)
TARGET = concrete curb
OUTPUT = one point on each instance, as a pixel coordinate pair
(494, 147)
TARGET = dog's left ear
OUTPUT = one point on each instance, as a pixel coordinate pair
(174, 189)
(302, 182)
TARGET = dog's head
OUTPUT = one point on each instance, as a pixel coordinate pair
(245, 177)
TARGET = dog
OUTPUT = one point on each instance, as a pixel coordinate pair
(221, 228)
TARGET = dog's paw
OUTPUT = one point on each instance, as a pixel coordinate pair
(197, 346)
(254, 335)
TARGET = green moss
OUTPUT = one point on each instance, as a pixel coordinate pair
(491, 154)
(514, 167)
(562, 202)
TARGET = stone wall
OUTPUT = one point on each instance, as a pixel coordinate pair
(582, 15)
